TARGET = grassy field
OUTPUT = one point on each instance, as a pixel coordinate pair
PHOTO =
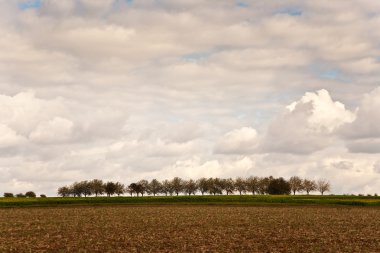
(235, 199)
(190, 228)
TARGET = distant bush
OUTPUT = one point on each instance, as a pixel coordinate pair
(20, 195)
(30, 194)
(8, 195)
(43, 196)
(375, 195)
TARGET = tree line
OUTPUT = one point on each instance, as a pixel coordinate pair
(29, 194)
(212, 186)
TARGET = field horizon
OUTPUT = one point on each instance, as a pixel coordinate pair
(197, 200)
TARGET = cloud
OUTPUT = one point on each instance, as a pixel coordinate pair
(9, 138)
(363, 135)
(238, 141)
(55, 130)
(307, 125)
(123, 90)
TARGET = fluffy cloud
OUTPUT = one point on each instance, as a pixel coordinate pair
(307, 125)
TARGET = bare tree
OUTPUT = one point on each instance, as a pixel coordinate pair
(64, 191)
(154, 187)
(167, 187)
(323, 186)
(264, 184)
(309, 185)
(86, 188)
(203, 185)
(119, 188)
(144, 186)
(97, 187)
(252, 184)
(240, 185)
(190, 187)
(296, 184)
(76, 189)
(177, 184)
(229, 185)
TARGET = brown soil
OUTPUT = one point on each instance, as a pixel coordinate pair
(190, 229)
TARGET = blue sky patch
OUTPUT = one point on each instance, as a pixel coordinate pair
(290, 11)
(196, 56)
(31, 4)
(242, 5)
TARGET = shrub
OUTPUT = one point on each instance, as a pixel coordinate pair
(20, 195)
(8, 195)
(43, 196)
(279, 186)
(30, 194)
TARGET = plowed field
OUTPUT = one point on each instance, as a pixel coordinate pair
(190, 228)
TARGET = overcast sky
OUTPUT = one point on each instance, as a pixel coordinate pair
(131, 89)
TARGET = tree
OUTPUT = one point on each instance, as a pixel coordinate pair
(214, 186)
(323, 186)
(240, 185)
(144, 186)
(167, 187)
(86, 188)
(154, 187)
(264, 184)
(190, 187)
(97, 187)
(110, 188)
(76, 189)
(252, 184)
(309, 185)
(229, 185)
(20, 195)
(119, 188)
(30, 194)
(133, 188)
(42, 195)
(203, 185)
(296, 184)
(177, 184)
(8, 195)
(279, 186)
(64, 191)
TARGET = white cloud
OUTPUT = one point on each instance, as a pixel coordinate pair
(307, 125)
(53, 131)
(238, 141)
(120, 90)
(9, 138)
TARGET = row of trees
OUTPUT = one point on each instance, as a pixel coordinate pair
(213, 186)
(29, 194)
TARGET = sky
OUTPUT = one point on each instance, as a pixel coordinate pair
(126, 90)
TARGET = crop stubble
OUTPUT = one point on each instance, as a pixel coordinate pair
(197, 228)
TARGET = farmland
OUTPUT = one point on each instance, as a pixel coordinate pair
(201, 228)
(207, 199)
